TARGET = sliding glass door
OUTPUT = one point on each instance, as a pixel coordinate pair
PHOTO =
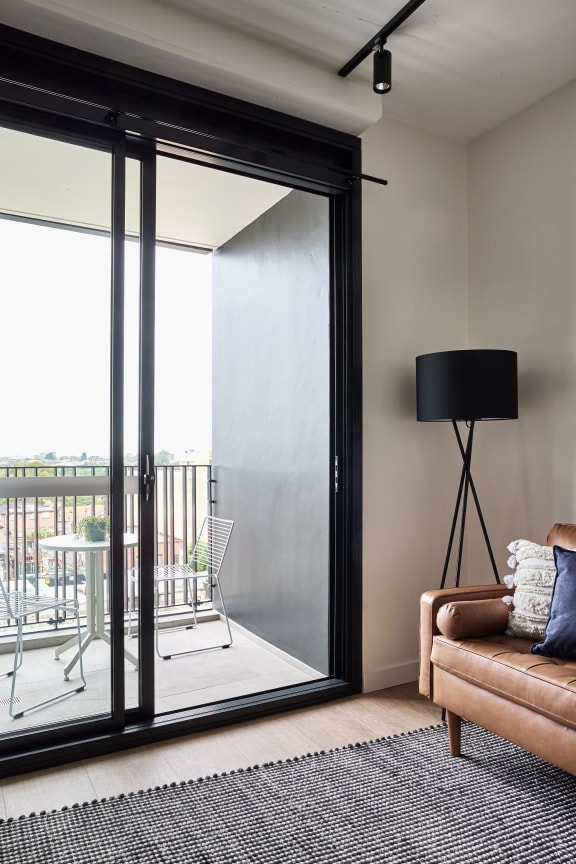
(222, 315)
(242, 431)
(55, 444)
(170, 346)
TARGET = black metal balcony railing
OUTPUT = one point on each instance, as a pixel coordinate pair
(182, 499)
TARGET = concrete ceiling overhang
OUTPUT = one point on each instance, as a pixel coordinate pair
(171, 39)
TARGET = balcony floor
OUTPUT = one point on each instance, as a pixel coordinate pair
(248, 666)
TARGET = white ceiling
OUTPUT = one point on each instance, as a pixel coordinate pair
(460, 67)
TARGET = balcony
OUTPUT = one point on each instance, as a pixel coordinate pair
(182, 499)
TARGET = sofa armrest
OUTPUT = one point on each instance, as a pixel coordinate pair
(466, 619)
(430, 603)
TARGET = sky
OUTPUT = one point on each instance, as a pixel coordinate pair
(56, 298)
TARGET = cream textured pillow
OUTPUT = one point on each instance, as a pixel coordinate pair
(533, 581)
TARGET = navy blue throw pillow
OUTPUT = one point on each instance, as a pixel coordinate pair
(560, 636)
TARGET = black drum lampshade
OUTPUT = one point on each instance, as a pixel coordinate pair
(473, 384)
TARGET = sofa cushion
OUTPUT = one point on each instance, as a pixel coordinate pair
(505, 666)
(560, 636)
(466, 618)
(533, 582)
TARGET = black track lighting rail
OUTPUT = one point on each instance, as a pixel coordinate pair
(380, 37)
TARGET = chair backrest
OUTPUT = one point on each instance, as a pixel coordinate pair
(5, 605)
(211, 545)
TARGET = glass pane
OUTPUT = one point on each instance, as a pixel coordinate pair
(242, 430)
(55, 205)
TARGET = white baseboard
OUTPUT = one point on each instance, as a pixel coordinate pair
(390, 676)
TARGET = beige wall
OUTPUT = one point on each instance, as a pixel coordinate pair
(415, 301)
(469, 246)
(522, 217)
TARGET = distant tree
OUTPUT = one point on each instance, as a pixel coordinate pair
(43, 469)
(50, 455)
(201, 562)
(82, 500)
(163, 457)
(83, 457)
(42, 532)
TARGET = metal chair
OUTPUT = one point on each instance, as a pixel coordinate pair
(17, 605)
(205, 563)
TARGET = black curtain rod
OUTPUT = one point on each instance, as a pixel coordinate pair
(381, 36)
(370, 178)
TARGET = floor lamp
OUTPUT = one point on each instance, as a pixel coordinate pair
(466, 386)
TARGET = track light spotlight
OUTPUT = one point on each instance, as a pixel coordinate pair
(382, 69)
(382, 58)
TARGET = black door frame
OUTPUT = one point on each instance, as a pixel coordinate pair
(73, 92)
(145, 153)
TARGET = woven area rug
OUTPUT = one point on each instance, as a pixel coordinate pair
(400, 800)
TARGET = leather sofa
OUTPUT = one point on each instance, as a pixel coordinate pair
(471, 668)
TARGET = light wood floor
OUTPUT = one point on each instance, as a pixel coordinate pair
(294, 733)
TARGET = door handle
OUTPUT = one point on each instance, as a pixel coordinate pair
(148, 479)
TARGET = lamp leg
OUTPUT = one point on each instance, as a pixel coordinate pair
(461, 500)
(477, 503)
(466, 475)
(453, 528)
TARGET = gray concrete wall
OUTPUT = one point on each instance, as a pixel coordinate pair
(271, 424)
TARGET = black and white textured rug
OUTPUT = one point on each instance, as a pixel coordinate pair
(400, 800)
